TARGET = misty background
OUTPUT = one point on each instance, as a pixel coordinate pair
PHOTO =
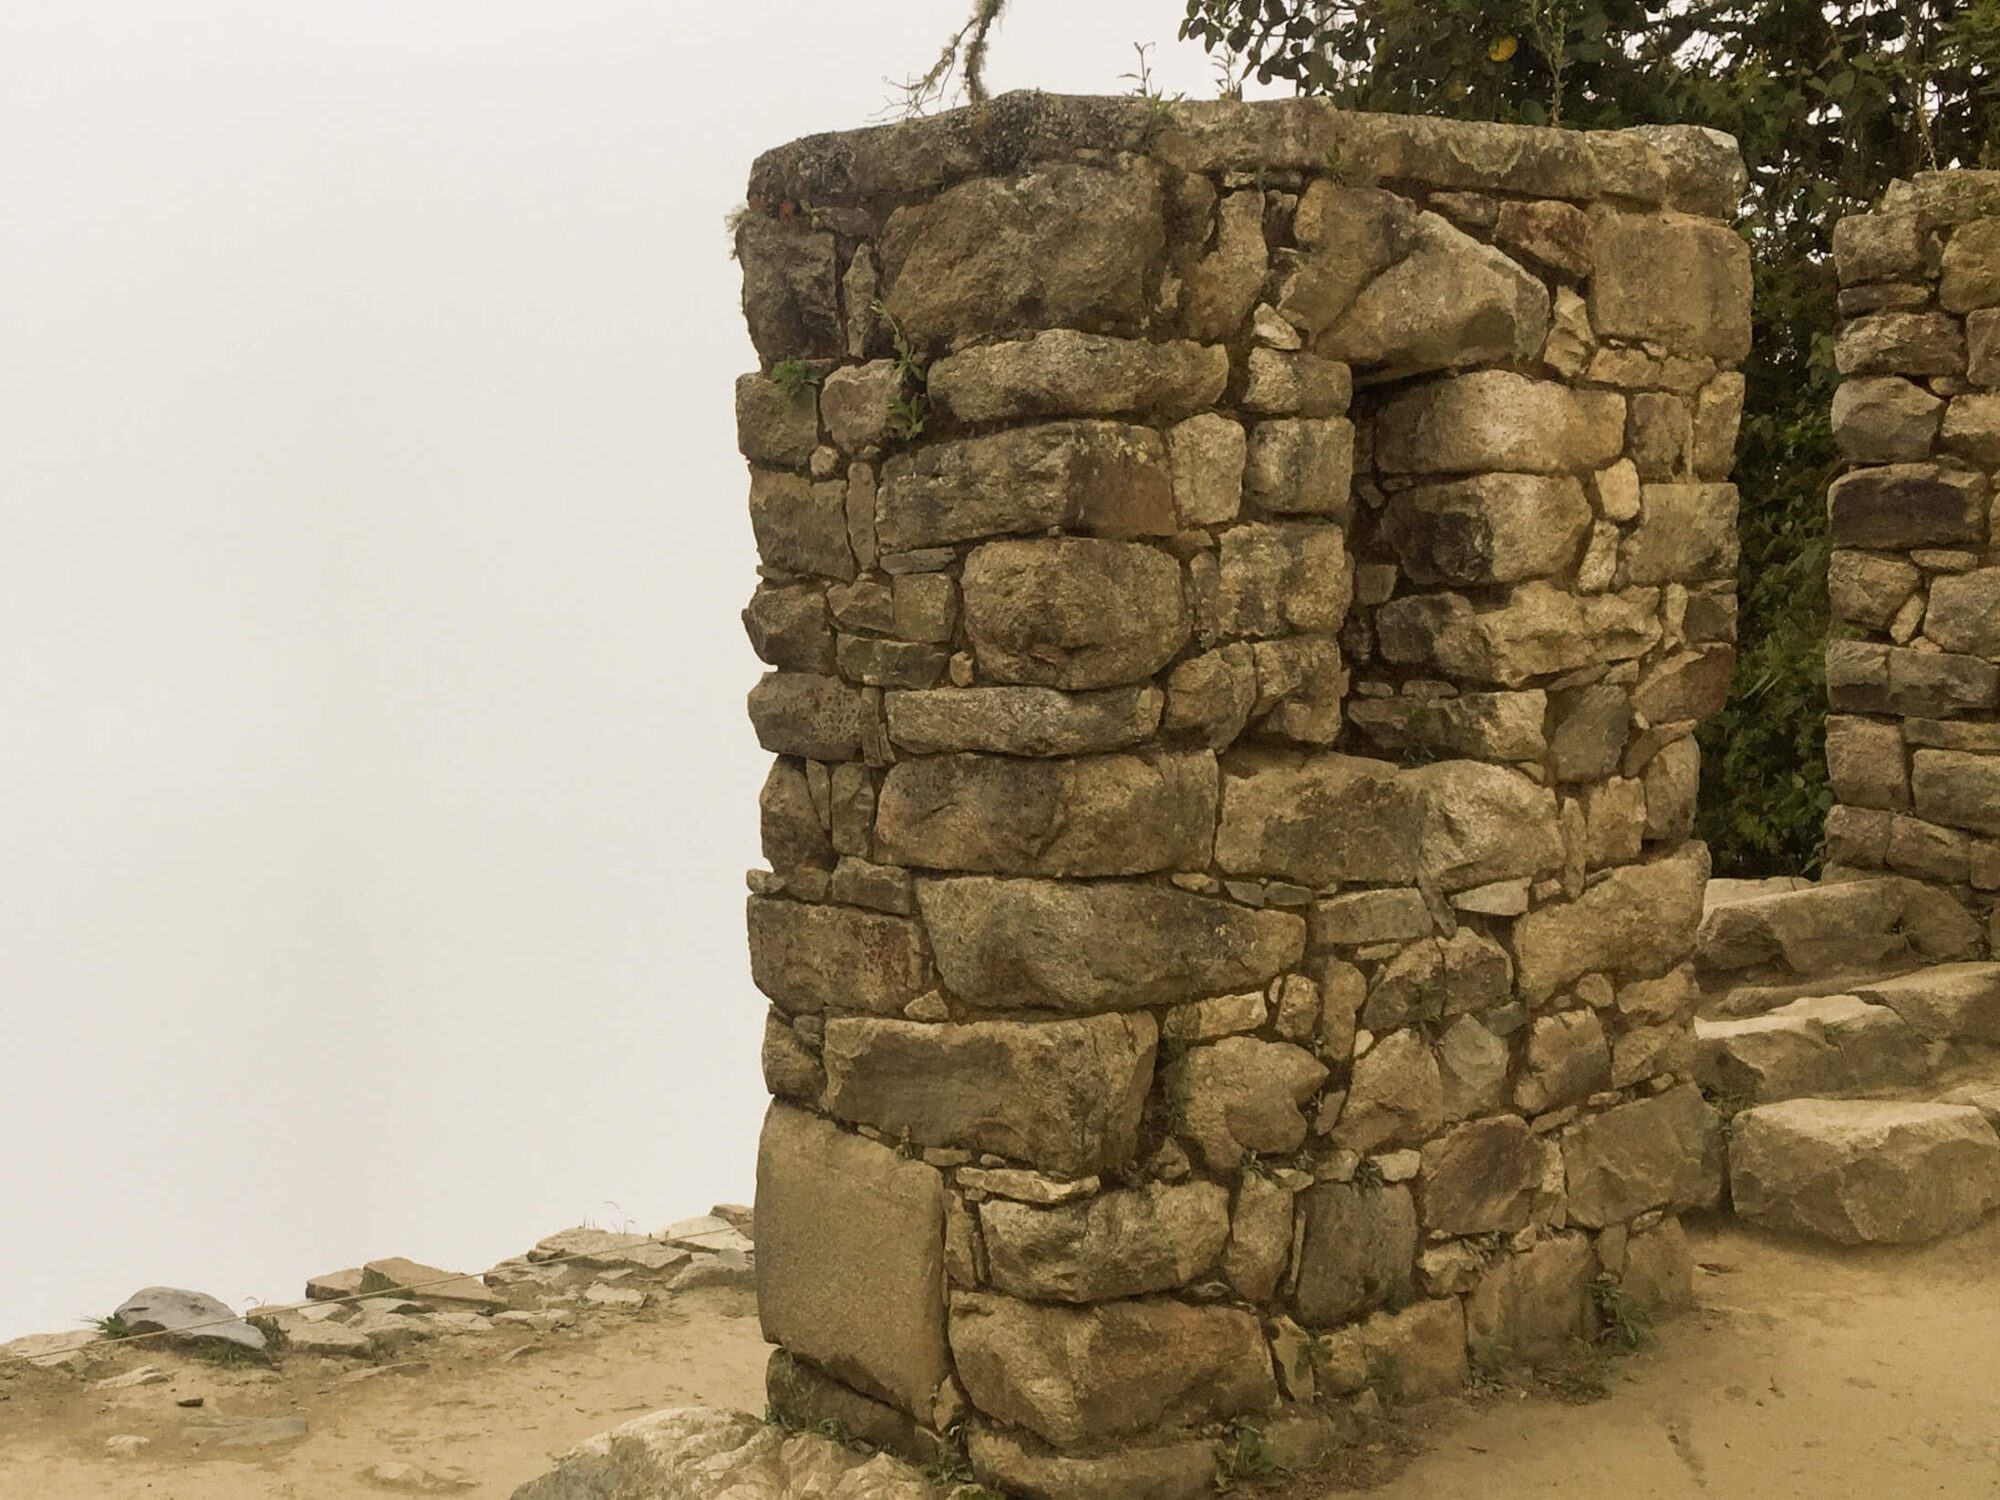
(375, 786)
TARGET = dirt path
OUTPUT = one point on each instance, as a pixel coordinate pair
(1806, 1374)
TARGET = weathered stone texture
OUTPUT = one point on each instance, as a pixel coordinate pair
(850, 1247)
(1239, 633)
(1078, 1375)
(1062, 1095)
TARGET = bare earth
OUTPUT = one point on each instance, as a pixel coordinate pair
(1807, 1373)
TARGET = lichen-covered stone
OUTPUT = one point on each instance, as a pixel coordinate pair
(1051, 945)
(1123, 814)
(1062, 373)
(1074, 1376)
(1073, 613)
(810, 715)
(1671, 280)
(774, 425)
(1107, 478)
(789, 296)
(1062, 1095)
(1022, 720)
(1063, 246)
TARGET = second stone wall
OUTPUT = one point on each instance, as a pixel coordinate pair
(1913, 742)
(1240, 595)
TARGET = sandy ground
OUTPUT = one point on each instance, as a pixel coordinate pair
(1806, 1373)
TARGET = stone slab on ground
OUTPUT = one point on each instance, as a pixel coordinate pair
(696, 1453)
(1861, 1171)
(396, 1274)
(1955, 1002)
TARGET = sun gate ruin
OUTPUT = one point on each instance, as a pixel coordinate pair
(1240, 593)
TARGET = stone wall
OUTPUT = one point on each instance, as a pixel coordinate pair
(1913, 741)
(1234, 679)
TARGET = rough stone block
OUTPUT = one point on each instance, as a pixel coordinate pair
(1481, 1178)
(1075, 1376)
(1686, 534)
(1274, 580)
(1885, 419)
(1418, 1353)
(809, 958)
(1491, 528)
(1122, 814)
(1122, 1243)
(1671, 280)
(1483, 824)
(1534, 1302)
(1062, 246)
(1208, 455)
(773, 425)
(1860, 1171)
(1663, 1152)
(1318, 820)
(1106, 478)
(1061, 1095)
(1899, 506)
(1481, 726)
(1395, 1096)
(1639, 920)
(1951, 1002)
(1302, 466)
(1017, 1464)
(850, 1258)
(1957, 790)
(1568, 1060)
(1062, 373)
(789, 296)
(1869, 589)
(1359, 1251)
(1493, 420)
(1048, 945)
(1820, 1044)
(1866, 761)
(1240, 1095)
(1963, 614)
(800, 526)
(1901, 343)
(1073, 613)
(1029, 721)
(1969, 271)
(1538, 631)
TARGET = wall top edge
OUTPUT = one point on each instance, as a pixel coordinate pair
(1681, 167)
(1941, 199)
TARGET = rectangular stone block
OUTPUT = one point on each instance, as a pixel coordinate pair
(850, 1258)
(1107, 945)
(1672, 280)
(1956, 789)
(1493, 420)
(1106, 478)
(1664, 1152)
(809, 958)
(1075, 1376)
(1064, 1096)
(800, 526)
(1073, 613)
(1022, 720)
(1639, 920)
(1318, 820)
(1090, 815)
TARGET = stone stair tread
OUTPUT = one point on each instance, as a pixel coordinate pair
(1864, 1171)
(1735, 1001)
(1815, 1045)
(1833, 927)
(1955, 1002)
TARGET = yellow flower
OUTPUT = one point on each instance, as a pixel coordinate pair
(1503, 48)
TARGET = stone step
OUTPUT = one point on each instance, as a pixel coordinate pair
(1951, 1002)
(1864, 1171)
(1817, 1045)
(1822, 930)
(1738, 1001)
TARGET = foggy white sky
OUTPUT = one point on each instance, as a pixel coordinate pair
(375, 788)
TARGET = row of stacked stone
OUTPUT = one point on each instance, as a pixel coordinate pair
(1241, 589)
(1913, 743)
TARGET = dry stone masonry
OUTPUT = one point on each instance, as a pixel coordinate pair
(1913, 741)
(1239, 590)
